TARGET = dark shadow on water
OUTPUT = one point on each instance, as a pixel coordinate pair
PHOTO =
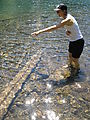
(62, 82)
(20, 90)
(42, 78)
(17, 94)
(74, 77)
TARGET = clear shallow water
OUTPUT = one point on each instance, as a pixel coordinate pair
(43, 96)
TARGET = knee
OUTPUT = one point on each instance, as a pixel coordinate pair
(75, 60)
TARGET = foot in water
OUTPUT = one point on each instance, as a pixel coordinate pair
(70, 71)
(74, 71)
(65, 72)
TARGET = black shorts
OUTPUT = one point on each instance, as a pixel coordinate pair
(76, 48)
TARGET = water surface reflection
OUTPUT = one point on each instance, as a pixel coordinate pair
(31, 82)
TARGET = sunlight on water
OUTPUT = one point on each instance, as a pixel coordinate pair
(52, 115)
(33, 117)
(48, 100)
(30, 101)
(78, 85)
(63, 101)
(49, 86)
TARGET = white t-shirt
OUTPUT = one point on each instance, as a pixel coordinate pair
(74, 29)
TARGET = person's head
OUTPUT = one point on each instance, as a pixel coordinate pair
(61, 10)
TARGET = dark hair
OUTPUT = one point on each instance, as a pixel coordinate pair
(62, 7)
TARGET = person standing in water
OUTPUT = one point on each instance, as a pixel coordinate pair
(76, 41)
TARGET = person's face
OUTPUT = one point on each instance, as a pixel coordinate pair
(60, 13)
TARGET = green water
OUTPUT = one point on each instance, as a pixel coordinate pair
(43, 96)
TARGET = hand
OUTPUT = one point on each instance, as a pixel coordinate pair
(68, 32)
(35, 33)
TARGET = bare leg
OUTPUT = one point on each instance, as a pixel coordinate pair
(75, 63)
(70, 58)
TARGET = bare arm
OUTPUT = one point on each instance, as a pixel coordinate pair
(51, 28)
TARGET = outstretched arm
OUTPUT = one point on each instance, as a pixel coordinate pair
(51, 28)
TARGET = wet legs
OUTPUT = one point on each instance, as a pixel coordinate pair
(73, 61)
